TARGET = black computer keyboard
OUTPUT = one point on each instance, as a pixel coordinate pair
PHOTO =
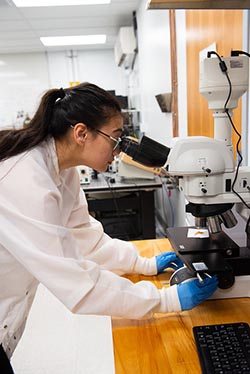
(223, 348)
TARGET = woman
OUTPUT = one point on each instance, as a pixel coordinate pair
(47, 234)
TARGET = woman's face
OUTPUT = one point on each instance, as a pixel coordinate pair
(99, 148)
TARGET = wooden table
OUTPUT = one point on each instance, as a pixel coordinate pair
(165, 344)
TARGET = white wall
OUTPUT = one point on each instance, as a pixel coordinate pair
(95, 66)
(152, 72)
(23, 78)
(152, 76)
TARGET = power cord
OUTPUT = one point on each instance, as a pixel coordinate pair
(237, 53)
(223, 68)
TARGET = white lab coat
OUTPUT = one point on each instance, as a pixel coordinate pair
(48, 236)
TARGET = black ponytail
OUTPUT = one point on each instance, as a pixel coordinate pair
(58, 110)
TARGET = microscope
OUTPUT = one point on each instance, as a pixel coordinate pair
(213, 184)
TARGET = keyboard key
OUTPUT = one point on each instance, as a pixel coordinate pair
(223, 348)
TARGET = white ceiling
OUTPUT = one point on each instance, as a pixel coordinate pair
(21, 28)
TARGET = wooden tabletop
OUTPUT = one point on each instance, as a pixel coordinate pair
(165, 343)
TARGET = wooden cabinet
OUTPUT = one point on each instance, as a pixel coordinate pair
(224, 28)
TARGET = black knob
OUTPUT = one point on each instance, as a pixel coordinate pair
(225, 280)
(206, 170)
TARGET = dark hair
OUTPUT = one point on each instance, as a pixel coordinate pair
(58, 110)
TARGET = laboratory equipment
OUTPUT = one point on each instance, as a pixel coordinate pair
(205, 170)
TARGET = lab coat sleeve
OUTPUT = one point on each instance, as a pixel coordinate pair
(115, 255)
(81, 285)
(35, 231)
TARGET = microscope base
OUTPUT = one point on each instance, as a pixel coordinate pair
(241, 288)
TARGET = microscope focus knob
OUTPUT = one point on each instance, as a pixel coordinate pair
(226, 279)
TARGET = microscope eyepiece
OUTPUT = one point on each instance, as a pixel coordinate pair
(146, 151)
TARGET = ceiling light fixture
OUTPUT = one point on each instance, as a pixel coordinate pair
(39, 3)
(50, 41)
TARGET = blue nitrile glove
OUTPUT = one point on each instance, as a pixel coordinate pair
(167, 260)
(193, 293)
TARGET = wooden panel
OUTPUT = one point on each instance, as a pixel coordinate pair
(174, 75)
(204, 27)
(199, 4)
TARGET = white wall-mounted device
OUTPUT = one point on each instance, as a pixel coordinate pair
(125, 47)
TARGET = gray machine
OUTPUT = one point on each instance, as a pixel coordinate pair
(205, 170)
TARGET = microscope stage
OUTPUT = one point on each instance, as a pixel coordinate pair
(214, 243)
(217, 254)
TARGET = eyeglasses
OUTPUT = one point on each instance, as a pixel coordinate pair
(116, 140)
